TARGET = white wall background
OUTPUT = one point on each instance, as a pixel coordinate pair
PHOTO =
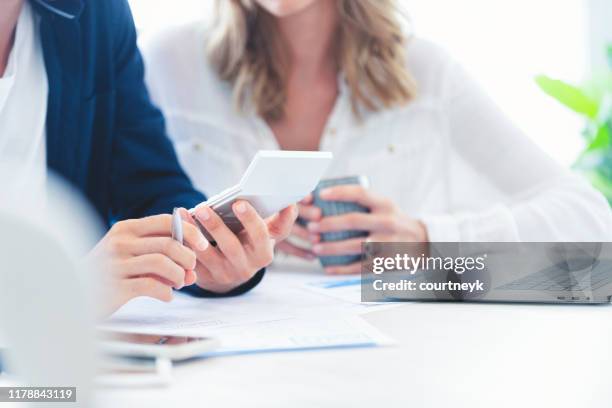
(600, 30)
(504, 43)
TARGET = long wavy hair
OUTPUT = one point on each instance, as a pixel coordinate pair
(243, 48)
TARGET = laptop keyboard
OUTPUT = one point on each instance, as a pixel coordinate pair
(557, 279)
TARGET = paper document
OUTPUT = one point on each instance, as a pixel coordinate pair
(343, 288)
(298, 334)
(186, 314)
(287, 311)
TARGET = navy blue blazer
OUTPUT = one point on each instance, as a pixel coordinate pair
(103, 133)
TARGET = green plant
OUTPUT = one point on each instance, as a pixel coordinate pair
(593, 100)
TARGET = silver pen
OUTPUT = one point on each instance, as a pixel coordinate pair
(177, 226)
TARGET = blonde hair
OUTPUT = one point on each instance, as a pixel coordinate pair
(243, 48)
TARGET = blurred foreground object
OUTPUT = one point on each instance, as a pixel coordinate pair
(46, 294)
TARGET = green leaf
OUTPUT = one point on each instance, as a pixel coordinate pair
(610, 56)
(569, 95)
(601, 140)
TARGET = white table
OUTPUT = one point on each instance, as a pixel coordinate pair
(449, 355)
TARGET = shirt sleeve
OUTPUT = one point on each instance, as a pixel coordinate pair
(545, 201)
(145, 174)
(197, 291)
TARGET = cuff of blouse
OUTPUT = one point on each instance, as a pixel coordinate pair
(197, 291)
(442, 228)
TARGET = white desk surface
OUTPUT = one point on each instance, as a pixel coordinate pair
(449, 355)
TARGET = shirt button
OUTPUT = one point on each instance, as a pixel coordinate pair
(197, 147)
(391, 148)
(332, 131)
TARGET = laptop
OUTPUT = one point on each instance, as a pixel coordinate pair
(566, 273)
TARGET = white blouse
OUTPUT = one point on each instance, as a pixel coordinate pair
(449, 158)
(23, 111)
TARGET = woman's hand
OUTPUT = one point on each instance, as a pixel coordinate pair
(385, 223)
(139, 258)
(236, 258)
(309, 213)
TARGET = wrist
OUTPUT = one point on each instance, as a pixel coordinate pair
(218, 288)
(206, 289)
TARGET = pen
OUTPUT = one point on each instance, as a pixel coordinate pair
(177, 226)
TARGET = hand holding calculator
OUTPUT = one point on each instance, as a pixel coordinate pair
(273, 181)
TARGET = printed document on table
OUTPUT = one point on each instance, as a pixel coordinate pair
(343, 288)
(298, 335)
(279, 296)
(244, 329)
(282, 313)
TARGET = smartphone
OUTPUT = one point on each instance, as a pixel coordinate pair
(146, 345)
(330, 208)
(273, 181)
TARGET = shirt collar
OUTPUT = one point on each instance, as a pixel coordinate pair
(69, 9)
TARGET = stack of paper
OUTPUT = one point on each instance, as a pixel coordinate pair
(289, 310)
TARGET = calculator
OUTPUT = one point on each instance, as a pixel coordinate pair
(329, 208)
(273, 181)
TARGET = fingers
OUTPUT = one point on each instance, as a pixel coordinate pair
(303, 233)
(207, 279)
(181, 255)
(147, 286)
(291, 249)
(235, 258)
(309, 212)
(204, 277)
(227, 242)
(352, 269)
(314, 238)
(161, 225)
(215, 263)
(351, 222)
(260, 250)
(154, 264)
(345, 247)
(355, 193)
(227, 262)
(154, 225)
(280, 225)
(190, 277)
(191, 232)
(307, 200)
(255, 227)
